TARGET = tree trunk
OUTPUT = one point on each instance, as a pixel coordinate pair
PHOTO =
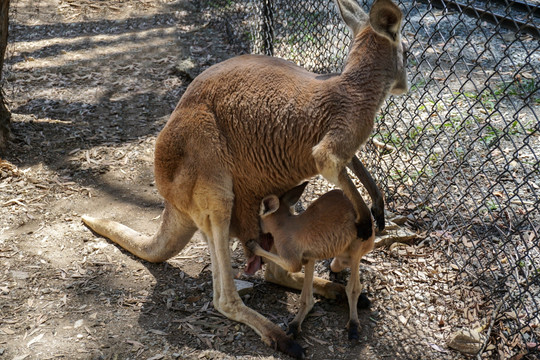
(5, 115)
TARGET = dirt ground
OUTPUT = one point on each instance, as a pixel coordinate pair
(90, 86)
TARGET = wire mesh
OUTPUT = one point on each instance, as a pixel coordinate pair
(459, 153)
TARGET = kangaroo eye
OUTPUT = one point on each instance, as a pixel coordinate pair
(405, 51)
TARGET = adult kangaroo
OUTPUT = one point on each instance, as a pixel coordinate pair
(256, 125)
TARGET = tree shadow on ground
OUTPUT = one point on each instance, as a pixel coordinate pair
(118, 96)
(198, 325)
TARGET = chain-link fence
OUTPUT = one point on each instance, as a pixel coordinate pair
(459, 153)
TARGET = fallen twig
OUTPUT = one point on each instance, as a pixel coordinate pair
(494, 316)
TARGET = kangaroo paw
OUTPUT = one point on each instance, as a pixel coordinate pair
(378, 214)
(364, 229)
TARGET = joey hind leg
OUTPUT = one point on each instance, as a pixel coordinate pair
(306, 300)
(353, 290)
(337, 265)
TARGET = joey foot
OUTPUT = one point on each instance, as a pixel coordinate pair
(353, 332)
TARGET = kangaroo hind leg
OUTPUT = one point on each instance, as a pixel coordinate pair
(215, 223)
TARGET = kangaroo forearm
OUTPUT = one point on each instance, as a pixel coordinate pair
(366, 179)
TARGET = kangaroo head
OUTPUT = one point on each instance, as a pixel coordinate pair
(385, 20)
(273, 207)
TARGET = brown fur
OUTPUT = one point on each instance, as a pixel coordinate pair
(326, 229)
(252, 126)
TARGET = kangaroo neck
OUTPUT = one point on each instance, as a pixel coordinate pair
(367, 75)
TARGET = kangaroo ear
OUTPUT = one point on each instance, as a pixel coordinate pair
(352, 14)
(292, 196)
(269, 205)
(385, 18)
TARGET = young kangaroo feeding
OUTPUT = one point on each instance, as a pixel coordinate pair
(326, 229)
(256, 125)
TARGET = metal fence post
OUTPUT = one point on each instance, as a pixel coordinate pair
(268, 27)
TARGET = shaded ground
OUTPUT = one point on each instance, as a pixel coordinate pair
(91, 84)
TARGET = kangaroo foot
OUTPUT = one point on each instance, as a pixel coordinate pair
(291, 348)
(353, 332)
(293, 329)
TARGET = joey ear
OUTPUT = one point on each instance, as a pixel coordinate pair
(269, 205)
(352, 14)
(385, 18)
(292, 196)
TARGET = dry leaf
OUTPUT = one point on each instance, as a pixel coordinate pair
(35, 340)
(21, 357)
(7, 331)
(136, 345)
(466, 341)
(403, 319)
(193, 299)
(438, 348)
(157, 357)
(158, 332)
